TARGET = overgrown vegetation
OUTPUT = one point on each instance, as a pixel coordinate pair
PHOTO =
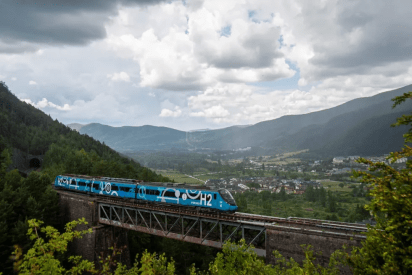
(21, 199)
(316, 203)
(388, 247)
(43, 258)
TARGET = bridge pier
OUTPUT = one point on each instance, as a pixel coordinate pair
(110, 236)
(288, 240)
(111, 219)
(96, 245)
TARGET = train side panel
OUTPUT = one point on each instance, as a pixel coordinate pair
(179, 196)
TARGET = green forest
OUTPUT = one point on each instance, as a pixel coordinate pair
(316, 203)
(33, 240)
(28, 131)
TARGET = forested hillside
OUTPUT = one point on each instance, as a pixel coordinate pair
(28, 131)
(341, 136)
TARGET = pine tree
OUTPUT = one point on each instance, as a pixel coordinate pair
(388, 246)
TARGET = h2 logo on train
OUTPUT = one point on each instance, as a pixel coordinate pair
(216, 199)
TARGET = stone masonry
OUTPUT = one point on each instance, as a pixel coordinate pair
(288, 242)
(92, 246)
(286, 239)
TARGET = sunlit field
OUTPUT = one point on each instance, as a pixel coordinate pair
(334, 185)
(178, 177)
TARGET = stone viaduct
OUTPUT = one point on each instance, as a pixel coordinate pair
(286, 236)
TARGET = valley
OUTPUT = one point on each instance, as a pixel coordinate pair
(284, 185)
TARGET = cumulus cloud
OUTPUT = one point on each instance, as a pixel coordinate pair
(212, 112)
(228, 60)
(169, 113)
(45, 103)
(217, 46)
(24, 25)
(192, 53)
(102, 107)
(239, 103)
(222, 103)
(165, 63)
(122, 76)
(249, 44)
(336, 38)
(99, 107)
(343, 50)
(32, 82)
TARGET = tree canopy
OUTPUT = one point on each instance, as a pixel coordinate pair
(388, 247)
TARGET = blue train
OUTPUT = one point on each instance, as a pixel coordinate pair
(171, 193)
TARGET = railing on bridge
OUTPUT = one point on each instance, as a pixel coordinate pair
(212, 231)
(265, 233)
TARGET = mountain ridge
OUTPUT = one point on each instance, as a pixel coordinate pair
(312, 131)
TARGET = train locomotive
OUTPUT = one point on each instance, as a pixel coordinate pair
(200, 197)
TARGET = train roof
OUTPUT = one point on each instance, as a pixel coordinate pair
(134, 181)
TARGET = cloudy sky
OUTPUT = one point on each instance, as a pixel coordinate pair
(200, 64)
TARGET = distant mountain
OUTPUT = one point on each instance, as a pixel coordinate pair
(269, 133)
(128, 138)
(343, 136)
(360, 126)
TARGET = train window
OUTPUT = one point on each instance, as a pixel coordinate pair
(95, 185)
(73, 182)
(115, 188)
(153, 192)
(214, 196)
(125, 189)
(170, 194)
(227, 196)
(82, 183)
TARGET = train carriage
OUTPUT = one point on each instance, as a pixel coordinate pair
(170, 193)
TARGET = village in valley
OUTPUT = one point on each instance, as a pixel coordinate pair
(340, 169)
(287, 184)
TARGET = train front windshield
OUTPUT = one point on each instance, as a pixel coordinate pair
(227, 196)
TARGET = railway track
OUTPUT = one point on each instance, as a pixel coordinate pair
(295, 222)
